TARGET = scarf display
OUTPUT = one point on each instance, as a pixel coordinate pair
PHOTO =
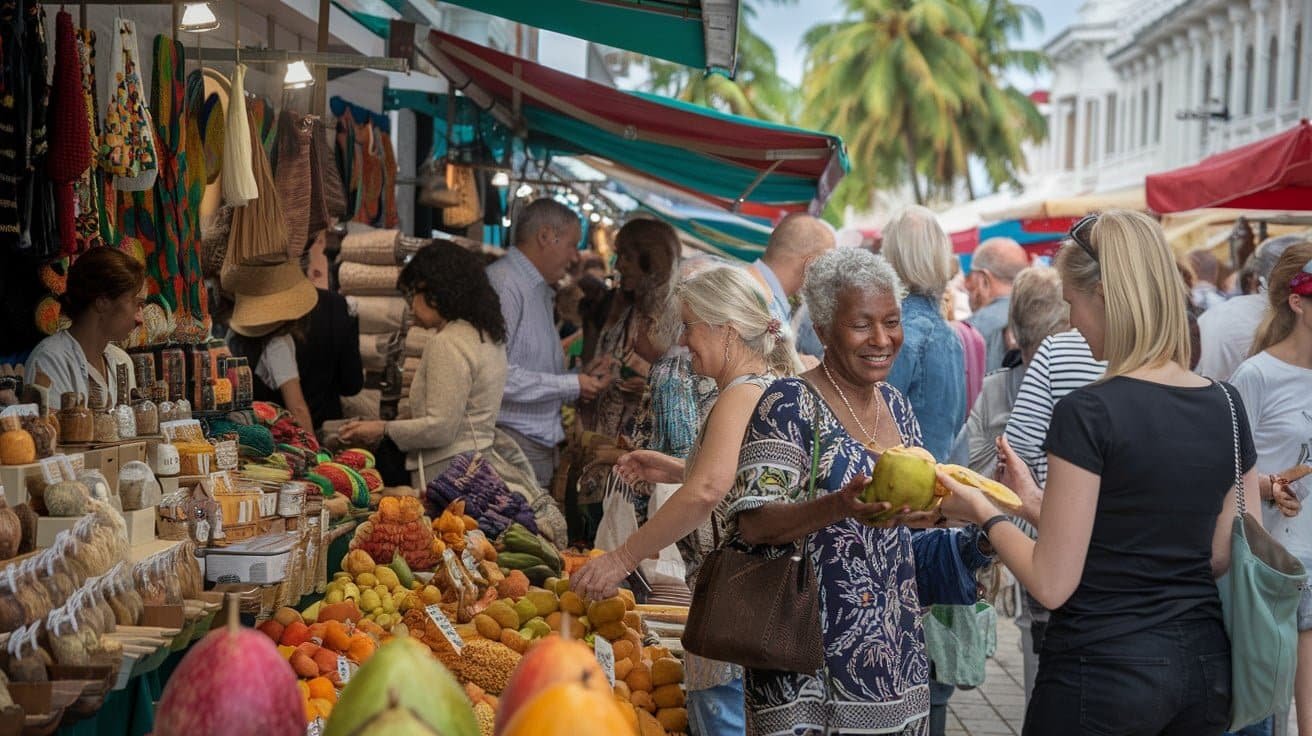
(127, 150)
(70, 154)
(88, 189)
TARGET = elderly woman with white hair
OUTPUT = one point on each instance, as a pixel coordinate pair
(931, 367)
(873, 578)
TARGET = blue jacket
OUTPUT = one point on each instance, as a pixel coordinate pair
(930, 370)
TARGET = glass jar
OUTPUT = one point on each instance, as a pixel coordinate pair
(75, 420)
(147, 414)
(106, 426)
(143, 366)
(174, 370)
(166, 408)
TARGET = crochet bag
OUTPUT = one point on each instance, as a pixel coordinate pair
(128, 147)
(291, 171)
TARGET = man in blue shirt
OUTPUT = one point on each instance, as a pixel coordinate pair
(796, 241)
(546, 240)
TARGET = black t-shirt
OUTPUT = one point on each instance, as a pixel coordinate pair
(329, 359)
(1166, 459)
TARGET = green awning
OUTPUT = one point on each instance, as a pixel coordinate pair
(702, 34)
(735, 163)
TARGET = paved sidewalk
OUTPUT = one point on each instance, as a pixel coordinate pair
(998, 707)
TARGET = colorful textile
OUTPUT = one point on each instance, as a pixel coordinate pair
(87, 189)
(195, 175)
(876, 673)
(127, 150)
(167, 101)
(390, 170)
(70, 156)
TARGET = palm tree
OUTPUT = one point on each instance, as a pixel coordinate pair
(757, 91)
(898, 79)
(1011, 118)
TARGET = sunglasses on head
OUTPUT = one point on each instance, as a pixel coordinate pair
(1081, 232)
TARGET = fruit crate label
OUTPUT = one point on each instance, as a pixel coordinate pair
(343, 669)
(444, 625)
(605, 657)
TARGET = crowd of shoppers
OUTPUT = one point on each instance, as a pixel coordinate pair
(1075, 386)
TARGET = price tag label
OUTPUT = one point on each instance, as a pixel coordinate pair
(605, 657)
(73, 464)
(51, 472)
(470, 563)
(225, 455)
(343, 669)
(444, 625)
(315, 728)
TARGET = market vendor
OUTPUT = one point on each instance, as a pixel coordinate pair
(103, 298)
(271, 308)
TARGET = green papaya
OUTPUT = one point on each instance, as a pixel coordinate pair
(402, 569)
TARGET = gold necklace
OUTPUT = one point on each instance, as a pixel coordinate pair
(879, 413)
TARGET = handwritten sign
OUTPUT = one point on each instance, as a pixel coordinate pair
(343, 669)
(51, 471)
(605, 654)
(444, 626)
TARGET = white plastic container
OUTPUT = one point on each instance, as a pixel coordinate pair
(263, 560)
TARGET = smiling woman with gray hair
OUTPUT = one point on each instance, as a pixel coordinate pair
(873, 577)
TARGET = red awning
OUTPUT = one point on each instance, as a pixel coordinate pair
(1271, 174)
(763, 168)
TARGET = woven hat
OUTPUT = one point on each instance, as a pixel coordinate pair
(267, 296)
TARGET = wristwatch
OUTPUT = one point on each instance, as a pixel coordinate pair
(992, 522)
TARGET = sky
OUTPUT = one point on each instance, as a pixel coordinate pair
(783, 27)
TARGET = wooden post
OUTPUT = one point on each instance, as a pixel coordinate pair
(319, 100)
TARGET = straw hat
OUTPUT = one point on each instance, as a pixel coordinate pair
(267, 297)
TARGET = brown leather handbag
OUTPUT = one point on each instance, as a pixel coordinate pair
(758, 612)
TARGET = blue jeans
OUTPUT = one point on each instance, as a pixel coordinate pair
(1257, 729)
(939, 695)
(717, 711)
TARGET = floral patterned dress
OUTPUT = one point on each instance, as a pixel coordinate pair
(876, 674)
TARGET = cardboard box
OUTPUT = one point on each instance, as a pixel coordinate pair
(141, 526)
(137, 450)
(14, 478)
(48, 527)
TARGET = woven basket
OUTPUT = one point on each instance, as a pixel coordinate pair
(462, 180)
(291, 174)
(359, 279)
(214, 241)
(371, 247)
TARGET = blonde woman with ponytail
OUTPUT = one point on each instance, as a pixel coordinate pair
(1276, 383)
(1135, 521)
(734, 339)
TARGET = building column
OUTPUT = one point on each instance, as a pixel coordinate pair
(1081, 133)
(1260, 47)
(1058, 135)
(1197, 96)
(1238, 15)
(1284, 65)
(1098, 131)
(1305, 70)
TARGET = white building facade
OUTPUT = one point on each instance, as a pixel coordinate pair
(1144, 86)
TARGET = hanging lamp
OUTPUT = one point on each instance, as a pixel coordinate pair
(298, 76)
(198, 18)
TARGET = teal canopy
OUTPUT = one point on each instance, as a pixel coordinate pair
(753, 167)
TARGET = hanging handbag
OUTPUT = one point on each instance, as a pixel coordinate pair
(468, 210)
(759, 612)
(1259, 603)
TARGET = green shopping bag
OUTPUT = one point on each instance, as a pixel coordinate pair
(960, 639)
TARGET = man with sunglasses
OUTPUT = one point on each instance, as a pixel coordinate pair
(993, 268)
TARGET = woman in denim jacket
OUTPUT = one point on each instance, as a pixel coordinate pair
(930, 370)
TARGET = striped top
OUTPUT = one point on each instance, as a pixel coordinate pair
(1062, 364)
(537, 383)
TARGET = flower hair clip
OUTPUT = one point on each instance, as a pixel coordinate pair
(775, 328)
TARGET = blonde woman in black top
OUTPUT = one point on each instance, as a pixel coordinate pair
(1135, 525)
